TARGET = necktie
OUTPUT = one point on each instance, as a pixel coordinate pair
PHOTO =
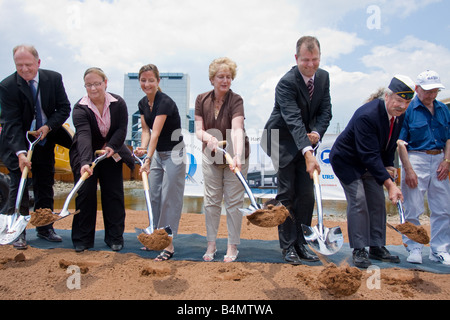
(310, 88)
(390, 128)
(37, 106)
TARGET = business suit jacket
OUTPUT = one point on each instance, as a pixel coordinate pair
(363, 145)
(295, 115)
(88, 138)
(17, 113)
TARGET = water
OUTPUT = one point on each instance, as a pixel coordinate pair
(135, 200)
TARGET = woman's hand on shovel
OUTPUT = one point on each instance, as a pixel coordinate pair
(140, 151)
(86, 168)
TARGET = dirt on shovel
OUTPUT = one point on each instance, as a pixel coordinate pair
(158, 240)
(340, 281)
(43, 217)
(270, 217)
(413, 232)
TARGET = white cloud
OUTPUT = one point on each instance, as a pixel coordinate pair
(185, 35)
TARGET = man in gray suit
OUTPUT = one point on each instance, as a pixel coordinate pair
(300, 118)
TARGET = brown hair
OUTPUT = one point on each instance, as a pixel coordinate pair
(310, 43)
(150, 67)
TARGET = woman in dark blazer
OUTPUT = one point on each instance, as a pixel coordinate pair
(100, 119)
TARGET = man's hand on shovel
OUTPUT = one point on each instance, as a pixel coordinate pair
(311, 164)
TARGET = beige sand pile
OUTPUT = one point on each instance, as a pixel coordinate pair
(43, 217)
(340, 281)
(158, 240)
(413, 232)
(269, 217)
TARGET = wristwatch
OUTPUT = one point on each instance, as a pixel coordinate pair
(447, 160)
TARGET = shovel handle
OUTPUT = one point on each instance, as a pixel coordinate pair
(145, 180)
(85, 175)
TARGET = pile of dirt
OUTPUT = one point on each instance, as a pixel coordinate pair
(270, 217)
(43, 217)
(158, 240)
(413, 232)
(340, 281)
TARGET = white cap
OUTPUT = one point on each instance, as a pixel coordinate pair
(429, 80)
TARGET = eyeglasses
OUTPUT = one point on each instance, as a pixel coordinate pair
(96, 84)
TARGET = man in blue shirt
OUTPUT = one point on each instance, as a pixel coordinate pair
(424, 149)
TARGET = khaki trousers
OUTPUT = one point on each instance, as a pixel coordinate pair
(222, 184)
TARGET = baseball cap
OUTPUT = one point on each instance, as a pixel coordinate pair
(402, 86)
(429, 80)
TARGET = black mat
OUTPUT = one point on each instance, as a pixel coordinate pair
(191, 247)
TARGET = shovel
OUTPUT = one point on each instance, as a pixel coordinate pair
(150, 228)
(322, 239)
(16, 223)
(65, 210)
(402, 217)
(254, 206)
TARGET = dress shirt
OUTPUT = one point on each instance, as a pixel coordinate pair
(423, 130)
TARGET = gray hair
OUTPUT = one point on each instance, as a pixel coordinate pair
(30, 49)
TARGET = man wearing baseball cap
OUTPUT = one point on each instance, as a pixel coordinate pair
(424, 149)
(362, 158)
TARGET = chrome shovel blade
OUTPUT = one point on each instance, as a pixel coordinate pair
(248, 211)
(18, 226)
(327, 243)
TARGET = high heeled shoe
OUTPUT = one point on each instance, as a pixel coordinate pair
(231, 258)
(208, 257)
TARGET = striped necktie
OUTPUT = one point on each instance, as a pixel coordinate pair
(38, 110)
(310, 88)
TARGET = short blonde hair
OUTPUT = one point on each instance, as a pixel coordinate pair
(220, 63)
(97, 71)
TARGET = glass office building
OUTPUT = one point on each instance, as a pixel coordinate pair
(175, 85)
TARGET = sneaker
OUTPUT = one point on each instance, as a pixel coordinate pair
(442, 257)
(415, 256)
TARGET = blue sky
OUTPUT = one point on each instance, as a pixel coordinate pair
(119, 36)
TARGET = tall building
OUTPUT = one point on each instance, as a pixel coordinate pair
(175, 85)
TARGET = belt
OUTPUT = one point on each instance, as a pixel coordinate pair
(433, 152)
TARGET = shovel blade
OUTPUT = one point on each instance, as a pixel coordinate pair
(327, 242)
(10, 234)
(149, 230)
(248, 211)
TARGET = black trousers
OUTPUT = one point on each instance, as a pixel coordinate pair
(296, 193)
(43, 171)
(108, 174)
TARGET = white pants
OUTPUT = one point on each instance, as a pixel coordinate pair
(222, 183)
(438, 194)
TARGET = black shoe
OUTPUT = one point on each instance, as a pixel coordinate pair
(304, 254)
(116, 247)
(21, 242)
(360, 258)
(80, 248)
(382, 254)
(290, 256)
(49, 235)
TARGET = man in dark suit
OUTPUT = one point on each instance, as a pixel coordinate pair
(43, 109)
(362, 158)
(300, 118)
